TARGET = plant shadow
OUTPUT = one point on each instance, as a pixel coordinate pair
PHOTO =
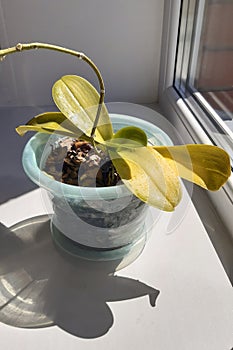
(42, 286)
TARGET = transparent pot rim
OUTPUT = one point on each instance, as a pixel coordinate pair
(155, 136)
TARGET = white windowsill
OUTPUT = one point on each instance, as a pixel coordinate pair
(194, 293)
(194, 289)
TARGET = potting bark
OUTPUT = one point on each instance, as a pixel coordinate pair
(77, 162)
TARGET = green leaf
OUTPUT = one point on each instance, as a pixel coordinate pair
(129, 137)
(51, 122)
(149, 176)
(205, 165)
(131, 133)
(78, 100)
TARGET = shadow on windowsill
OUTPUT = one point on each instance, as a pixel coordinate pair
(41, 286)
(14, 186)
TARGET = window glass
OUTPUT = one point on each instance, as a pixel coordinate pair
(214, 70)
(204, 66)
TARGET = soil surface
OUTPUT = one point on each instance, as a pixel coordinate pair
(77, 162)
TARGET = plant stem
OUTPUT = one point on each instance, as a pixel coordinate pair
(33, 46)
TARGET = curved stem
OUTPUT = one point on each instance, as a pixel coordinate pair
(33, 46)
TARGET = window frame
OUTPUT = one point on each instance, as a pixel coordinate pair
(184, 113)
(190, 29)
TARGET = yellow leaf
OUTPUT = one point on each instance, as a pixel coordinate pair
(78, 100)
(205, 165)
(51, 122)
(149, 177)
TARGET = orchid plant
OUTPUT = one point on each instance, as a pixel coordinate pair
(150, 172)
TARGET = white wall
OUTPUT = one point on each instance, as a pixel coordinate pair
(123, 37)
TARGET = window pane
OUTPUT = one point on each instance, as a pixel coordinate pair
(214, 71)
(204, 66)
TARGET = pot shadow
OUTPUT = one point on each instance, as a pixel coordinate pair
(42, 286)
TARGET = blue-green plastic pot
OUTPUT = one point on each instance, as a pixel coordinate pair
(106, 221)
